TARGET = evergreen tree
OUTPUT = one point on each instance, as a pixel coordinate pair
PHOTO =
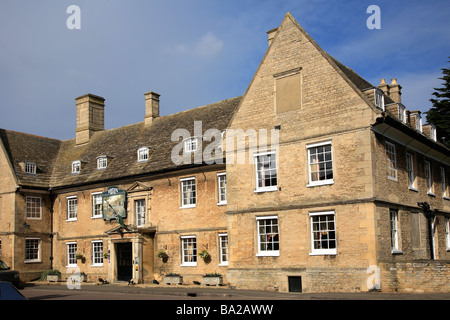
(439, 114)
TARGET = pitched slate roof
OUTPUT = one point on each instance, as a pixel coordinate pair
(357, 80)
(54, 157)
(22, 147)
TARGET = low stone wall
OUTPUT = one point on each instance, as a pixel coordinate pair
(415, 276)
(313, 280)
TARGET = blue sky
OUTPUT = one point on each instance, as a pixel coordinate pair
(195, 52)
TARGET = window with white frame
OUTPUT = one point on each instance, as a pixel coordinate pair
(443, 183)
(428, 177)
(379, 99)
(188, 193)
(97, 205)
(323, 233)
(190, 145)
(142, 154)
(320, 164)
(393, 216)
(268, 236)
(97, 253)
(71, 254)
(76, 167)
(266, 171)
(433, 134)
(72, 208)
(418, 122)
(30, 168)
(223, 249)
(139, 207)
(447, 233)
(391, 161)
(102, 162)
(33, 207)
(222, 187)
(188, 251)
(402, 113)
(410, 170)
(32, 250)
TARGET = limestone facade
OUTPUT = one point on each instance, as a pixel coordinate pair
(323, 183)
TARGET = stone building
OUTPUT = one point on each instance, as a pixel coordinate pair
(323, 182)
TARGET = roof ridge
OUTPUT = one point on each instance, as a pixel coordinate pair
(203, 106)
(30, 134)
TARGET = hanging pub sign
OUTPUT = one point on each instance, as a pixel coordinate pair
(114, 204)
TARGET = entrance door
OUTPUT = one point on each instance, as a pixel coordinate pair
(124, 261)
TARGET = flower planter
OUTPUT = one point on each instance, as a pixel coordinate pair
(82, 277)
(173, 280)
(212, 281)
(53, 278)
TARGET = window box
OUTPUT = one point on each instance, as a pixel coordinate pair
(213, 279)
(53, 276)
(173, 279)
(82, 276)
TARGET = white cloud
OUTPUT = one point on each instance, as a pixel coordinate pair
(417, 89)
(208, 46)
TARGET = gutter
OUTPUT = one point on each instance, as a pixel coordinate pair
(388, 120)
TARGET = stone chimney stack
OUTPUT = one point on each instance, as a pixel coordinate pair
(395, 91)
(384, 87)
(90, 117)
(271, 35)
(151, 107)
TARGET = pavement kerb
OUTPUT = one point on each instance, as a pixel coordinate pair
(227, 292)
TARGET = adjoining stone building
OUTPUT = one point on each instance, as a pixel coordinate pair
(347, 191)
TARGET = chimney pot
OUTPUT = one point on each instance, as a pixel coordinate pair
(271, 34)
(395, 91)
(384, 87)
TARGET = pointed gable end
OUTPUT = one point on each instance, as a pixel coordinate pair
(298, 85)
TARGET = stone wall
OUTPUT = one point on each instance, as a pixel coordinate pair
(415, 276)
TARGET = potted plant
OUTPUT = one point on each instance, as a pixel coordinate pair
(53, 276)
(173, 278)
(79, 256)
(162, 254)
(82, 275)
(212, 279)
(205, 256)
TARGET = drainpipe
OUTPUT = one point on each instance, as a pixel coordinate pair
(52, 202)
(430, 217)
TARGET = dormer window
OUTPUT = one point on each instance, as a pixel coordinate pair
(76, 167)
(190, 145)
(402, 113)
(142, 154)
(433, 134)
(379, 99)
(102, 162)
(418, 122)
(30, 168)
